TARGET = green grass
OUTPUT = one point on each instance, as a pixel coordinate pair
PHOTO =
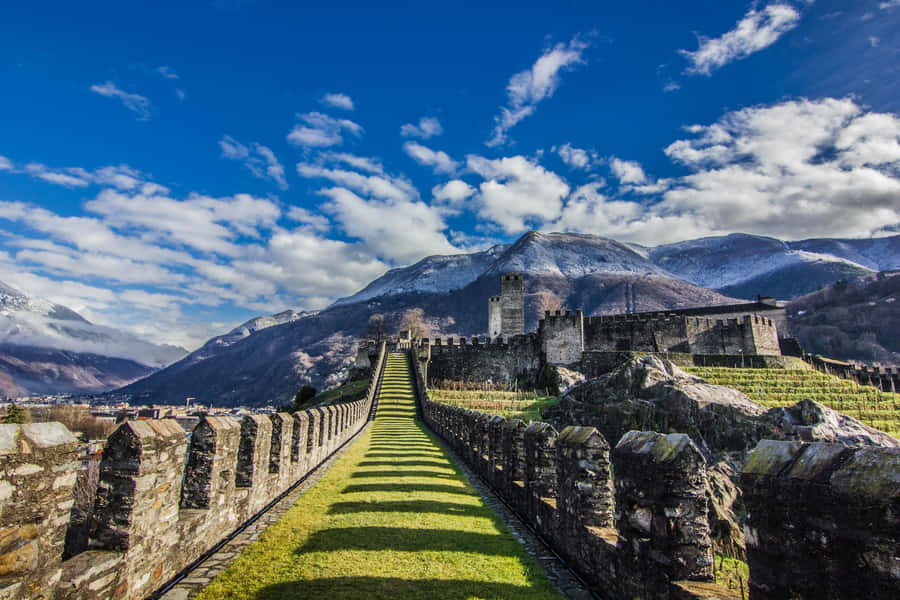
(732, 574)
(526, 406)
(784, 387)
(393, 518)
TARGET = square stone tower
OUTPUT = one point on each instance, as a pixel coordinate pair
(512, 304)
(495, 320)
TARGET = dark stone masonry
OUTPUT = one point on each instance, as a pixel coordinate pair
(160, 503)
(824, 519)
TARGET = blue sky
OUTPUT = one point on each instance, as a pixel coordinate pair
(176, 168)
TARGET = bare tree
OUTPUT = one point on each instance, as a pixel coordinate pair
(414, 322)
(548, 300)
(377, 328)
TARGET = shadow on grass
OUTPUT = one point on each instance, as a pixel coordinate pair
(411, 506)
(358, 488)
(405, 539)
(444, 464)
(390, 474)
(384, 588)
(417, 454)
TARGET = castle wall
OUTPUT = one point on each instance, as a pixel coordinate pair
(630, 332)
(499, 361)
(641, 540)
(823, 521)
(38, 468)
(512, 305)
(823, 518)
(154, 512)
(562, 337)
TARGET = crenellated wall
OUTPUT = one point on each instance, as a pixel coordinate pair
(824, 519)
(160, 503)
(502, 360)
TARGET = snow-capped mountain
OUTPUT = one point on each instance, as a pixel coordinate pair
(257, 366)
(219, 343)
(49, 348)
(744, 265)
(434, 274)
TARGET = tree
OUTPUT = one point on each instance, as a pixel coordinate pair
(548, 300)
(306, 393)
(414, 322)
(377, 329)
(17, 414)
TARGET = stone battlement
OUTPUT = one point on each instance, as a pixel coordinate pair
(161, 501)
(815, 509)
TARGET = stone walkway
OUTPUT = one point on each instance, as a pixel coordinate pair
(395, 517)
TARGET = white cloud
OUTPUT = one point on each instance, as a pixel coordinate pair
(363, 163)
(5, 164)
(754, 32)
(874, 41)
(428, 127)
(671, 86)
(68, 177)
(179, 93)
(889, 4)
(166, 72)
(401, 231)
(380, 186)
(259, 159)
(121, 177)
(453, 193)
(575, 158)
(134, 102)
(795, 169)
(438, 160)
(517, 192)
(529, 87)
(342, 101)
(627, 171)
(315, 222)
(321, 130)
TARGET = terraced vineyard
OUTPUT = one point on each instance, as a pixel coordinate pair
(510, 405)
(780, 387)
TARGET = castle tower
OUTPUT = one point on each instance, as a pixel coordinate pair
(512, 305)
(495, 319)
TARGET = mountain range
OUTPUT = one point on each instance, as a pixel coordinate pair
(596, 274)
(47, 348)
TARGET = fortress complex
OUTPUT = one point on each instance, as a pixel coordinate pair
(750, 331)
(749, 328)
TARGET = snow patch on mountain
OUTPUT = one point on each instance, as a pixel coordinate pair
(36, 322)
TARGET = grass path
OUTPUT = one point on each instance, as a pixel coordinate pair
(393, 518)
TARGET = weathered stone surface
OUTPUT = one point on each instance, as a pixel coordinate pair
(37, 471)
(824, 521)
(661, 511)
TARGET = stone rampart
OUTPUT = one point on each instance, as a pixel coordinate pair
(161, 502)
(501, 361)
(823, 519)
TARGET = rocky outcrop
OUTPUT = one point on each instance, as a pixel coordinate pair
(651, 394)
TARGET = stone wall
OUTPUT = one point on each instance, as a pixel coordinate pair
(495, 317)
(160, 503)
(748, 334)
(500, 361)
(824, 519)
(562, 337)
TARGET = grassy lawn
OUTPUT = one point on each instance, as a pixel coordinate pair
(393, 518)
(526, 406)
